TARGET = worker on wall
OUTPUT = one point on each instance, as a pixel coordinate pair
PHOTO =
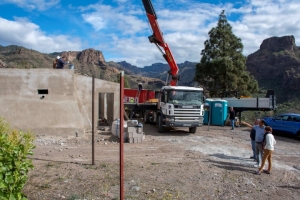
(55, 62)
(140, 86)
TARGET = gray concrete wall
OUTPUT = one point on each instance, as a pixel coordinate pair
(65, 110)
(83, 87)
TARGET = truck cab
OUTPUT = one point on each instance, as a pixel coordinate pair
(179, 106)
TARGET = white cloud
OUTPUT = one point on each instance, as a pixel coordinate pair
(96, 21)
(24, 33)
(136, 51)
(115, 19)
(266, 19)
(183, 31)
(121, 32)
(33, 4)
(120, 1)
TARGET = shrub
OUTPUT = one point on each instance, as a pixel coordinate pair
(15, 146)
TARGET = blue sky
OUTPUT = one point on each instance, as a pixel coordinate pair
(120, 29)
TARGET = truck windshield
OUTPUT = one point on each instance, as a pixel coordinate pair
(190, 97)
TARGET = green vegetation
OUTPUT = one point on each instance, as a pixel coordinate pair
(292, 106)
(126, 82)
(14, 164)
(222, 67)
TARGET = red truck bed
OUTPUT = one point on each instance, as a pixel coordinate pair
(130, 95)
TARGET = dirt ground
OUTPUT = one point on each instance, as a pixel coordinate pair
(210, 164)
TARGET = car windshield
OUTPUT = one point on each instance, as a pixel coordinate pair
(190, 97)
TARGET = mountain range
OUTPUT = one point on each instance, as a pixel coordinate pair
(275, 65)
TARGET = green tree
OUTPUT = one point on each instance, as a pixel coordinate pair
(126, 82)
(222, 67)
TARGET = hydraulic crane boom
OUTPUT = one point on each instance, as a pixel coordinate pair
(158, 40)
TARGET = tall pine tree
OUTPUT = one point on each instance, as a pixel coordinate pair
(222, 67)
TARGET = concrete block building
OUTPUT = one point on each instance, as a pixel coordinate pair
(55, 101)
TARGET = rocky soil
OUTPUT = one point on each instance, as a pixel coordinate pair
(210, 164)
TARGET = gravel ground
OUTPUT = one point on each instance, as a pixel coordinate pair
(210, 164)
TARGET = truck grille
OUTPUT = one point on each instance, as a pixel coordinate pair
(182, 114)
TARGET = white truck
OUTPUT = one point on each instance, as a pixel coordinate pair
(178, 106)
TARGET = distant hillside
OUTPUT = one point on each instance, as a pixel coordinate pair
(160, 70)
(276, 65)
(19, 57)
(88, 62)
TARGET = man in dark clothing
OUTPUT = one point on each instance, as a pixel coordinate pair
(61, 62)
(232, 117)
(252, 136)
(140, 86)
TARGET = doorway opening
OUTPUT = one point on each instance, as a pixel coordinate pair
(105, 109)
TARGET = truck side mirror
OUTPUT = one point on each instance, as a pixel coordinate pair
(203, 98)
(206, 107)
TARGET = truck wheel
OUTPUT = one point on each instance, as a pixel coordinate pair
(192, 129)
(161, 129)
(146, 118)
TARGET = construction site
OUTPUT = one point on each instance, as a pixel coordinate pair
(212, 163)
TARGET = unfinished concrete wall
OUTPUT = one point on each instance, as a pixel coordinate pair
(83, 87)
(24, 108)
(67, 108)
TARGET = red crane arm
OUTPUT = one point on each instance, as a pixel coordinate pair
(158, 40)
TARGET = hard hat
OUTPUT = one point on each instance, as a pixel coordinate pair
(57, 57)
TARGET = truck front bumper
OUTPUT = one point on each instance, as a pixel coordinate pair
(185, 123)
(178, 124)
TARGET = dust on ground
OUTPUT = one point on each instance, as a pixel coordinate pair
(210, 164)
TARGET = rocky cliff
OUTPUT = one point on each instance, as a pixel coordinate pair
(277, 65)
(89, 56)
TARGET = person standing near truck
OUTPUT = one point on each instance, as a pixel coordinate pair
(252, 137)
(259, 137)
(232, 117)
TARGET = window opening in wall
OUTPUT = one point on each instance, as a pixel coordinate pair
(42, 91)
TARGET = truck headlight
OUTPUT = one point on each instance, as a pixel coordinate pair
(169, 120)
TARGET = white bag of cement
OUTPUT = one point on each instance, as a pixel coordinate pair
(115, 127)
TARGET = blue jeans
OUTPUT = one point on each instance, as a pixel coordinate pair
(232, 123)
(259, 152)
(253, 148)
